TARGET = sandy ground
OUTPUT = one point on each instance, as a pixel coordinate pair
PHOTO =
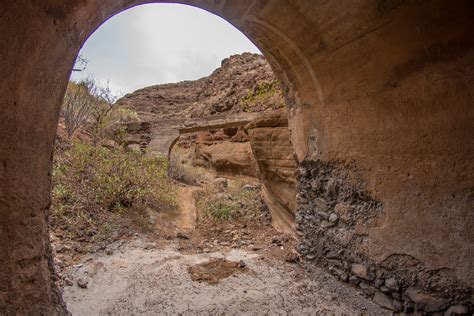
(173, 276)
(140, 279)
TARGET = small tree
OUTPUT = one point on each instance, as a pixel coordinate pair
(100, 113)
(80, 64)
(78, 103)
(87, 101)
(91, 105)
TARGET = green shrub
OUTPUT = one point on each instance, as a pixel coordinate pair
(220, 210)
(265, 93)
(93, 185)
(234, 203)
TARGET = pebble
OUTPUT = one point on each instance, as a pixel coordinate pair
(323, 215)
(182, 235)
(276, 240)
(364, 285)
(333, 217)
(68, 281)
(456, 310)
(383, 300)
(362, 271)
(397, 305)
(242, 264)
(82, 283)
(353, 280)
(392, 284)
(249, 187)
(326, 224)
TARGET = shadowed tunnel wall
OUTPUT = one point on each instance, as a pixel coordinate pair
(380, 97)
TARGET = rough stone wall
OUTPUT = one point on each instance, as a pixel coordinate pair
(334, 215)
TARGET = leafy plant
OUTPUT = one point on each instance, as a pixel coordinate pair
(220, 210)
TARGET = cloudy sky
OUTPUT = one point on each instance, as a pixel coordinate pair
(159, 43)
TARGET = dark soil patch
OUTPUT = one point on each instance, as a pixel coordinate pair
(214, 271)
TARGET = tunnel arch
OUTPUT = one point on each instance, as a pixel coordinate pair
(381, 90)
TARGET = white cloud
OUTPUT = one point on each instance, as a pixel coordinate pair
(160, 43)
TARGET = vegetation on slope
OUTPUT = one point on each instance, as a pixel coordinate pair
(101, 190)
(265, 93)
(97, 188)
(222, 203)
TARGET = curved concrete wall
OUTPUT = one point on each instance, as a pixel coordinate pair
(381, 91)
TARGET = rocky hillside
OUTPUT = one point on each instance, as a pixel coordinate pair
(243, 83)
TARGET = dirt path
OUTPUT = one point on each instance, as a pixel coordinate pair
(170, 222)
(187, 214)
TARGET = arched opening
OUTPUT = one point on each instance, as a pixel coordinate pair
(233, 162)
(380, 97)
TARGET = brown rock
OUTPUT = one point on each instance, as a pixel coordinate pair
(82, 283)
(362, 271)
(456, 310)
(427, 302)
(385, 301)
(392, 284)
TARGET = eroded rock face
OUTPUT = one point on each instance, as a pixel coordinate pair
(220, 152)
(225, 153)
(384, 87)
(229, 98)
(275, 157)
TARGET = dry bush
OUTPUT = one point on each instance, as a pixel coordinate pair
(96, 190)
(90, 106)
(78, 103)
